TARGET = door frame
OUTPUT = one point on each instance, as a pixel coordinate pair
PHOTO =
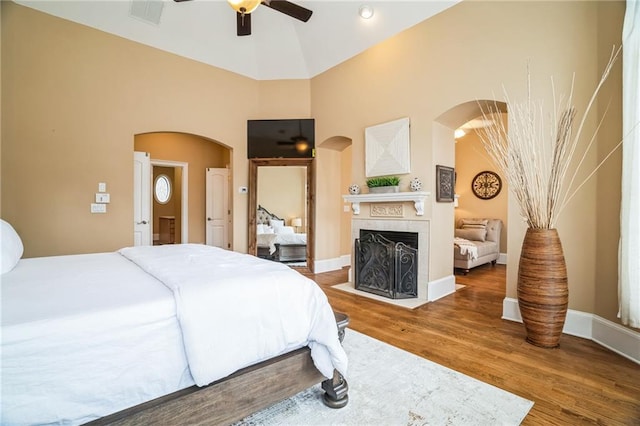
(184, 203)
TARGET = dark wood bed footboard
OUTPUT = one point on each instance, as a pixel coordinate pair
(240, 394)
(228, 400)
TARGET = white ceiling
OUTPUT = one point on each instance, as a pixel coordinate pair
(280, 47)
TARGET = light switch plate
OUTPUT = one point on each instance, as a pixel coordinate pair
(102, 198)
(102, 187)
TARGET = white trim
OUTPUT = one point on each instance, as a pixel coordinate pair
(345, 259)
(615, 337)
(502, 259)
(185, 193)
(441, 287)
(510, 310)
(327, 265)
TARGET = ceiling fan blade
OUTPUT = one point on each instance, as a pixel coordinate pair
(180, 1)
(289, 8)
(243, 23)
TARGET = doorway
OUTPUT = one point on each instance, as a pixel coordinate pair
(169, 210)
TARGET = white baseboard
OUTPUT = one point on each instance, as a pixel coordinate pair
(615, 337)
(441, 287)
(502, 259)
(327, 265)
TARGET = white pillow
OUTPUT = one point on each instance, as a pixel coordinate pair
(286, 230)
(12, 247)
(260, 229)
(276, 224)
(268, 230)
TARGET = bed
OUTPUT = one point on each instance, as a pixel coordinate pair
(158, 334)
(278, 242)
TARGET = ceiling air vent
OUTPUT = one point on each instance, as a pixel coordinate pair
(147, 10)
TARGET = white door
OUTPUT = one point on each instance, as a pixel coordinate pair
(217, 208)
(141, 199)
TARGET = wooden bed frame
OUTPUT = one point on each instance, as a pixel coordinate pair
(240, 394)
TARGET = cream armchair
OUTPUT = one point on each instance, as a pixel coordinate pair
(477, 242)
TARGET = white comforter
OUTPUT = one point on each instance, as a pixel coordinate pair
(226, 301)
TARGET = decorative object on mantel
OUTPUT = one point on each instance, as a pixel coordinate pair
(415, 184)
(383, 184)
(445, 183)
(536, 168)
(354, 189)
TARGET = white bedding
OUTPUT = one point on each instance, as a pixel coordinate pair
(84, 336)
(285, 311)
(76, 331)
(270, 240)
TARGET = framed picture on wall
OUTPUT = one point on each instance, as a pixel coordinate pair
(445, 184)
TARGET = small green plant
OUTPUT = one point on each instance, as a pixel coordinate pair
(383, 181)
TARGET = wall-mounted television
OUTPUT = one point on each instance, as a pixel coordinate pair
(289, 138)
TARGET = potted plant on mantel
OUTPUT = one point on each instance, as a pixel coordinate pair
(383, 184)
(535, 160)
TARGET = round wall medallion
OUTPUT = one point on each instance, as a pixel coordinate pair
(354, 189)
(486, 185)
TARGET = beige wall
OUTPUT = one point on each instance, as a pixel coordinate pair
(73, 98)
(469, 52)
(472, 159)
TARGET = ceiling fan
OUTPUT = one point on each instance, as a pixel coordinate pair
(244, 8)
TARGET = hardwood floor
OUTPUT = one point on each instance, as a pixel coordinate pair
(578, 383)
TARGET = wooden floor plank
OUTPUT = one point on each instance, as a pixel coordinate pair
(578, 383)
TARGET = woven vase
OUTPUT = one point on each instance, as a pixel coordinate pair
(543, 292)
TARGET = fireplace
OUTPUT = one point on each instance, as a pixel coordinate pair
(386, 263)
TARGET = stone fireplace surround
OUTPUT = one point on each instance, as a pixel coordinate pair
(421, 227)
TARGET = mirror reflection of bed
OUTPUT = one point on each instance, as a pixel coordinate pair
(280, 242)
(281, 201)
(280, 197)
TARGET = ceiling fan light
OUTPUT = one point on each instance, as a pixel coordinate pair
(302, 145)
(365, 11)
(244, 6)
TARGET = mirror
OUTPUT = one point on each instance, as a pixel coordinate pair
(284, 251)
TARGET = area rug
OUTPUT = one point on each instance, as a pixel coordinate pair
(389, 386)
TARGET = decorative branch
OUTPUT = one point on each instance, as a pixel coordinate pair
(536, 167)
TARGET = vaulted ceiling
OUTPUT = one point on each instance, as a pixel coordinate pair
(280, 47)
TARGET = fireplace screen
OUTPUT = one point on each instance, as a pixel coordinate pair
(385, 267)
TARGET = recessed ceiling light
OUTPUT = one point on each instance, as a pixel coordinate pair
(459, 133)
(365, 11)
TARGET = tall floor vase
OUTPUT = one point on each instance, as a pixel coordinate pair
(543, 293)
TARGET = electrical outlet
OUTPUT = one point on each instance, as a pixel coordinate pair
(243, 190)
(102, 187)
(98, 208)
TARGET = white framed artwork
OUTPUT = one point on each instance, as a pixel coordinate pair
(386, 148)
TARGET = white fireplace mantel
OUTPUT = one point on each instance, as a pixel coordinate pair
(418, 199)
